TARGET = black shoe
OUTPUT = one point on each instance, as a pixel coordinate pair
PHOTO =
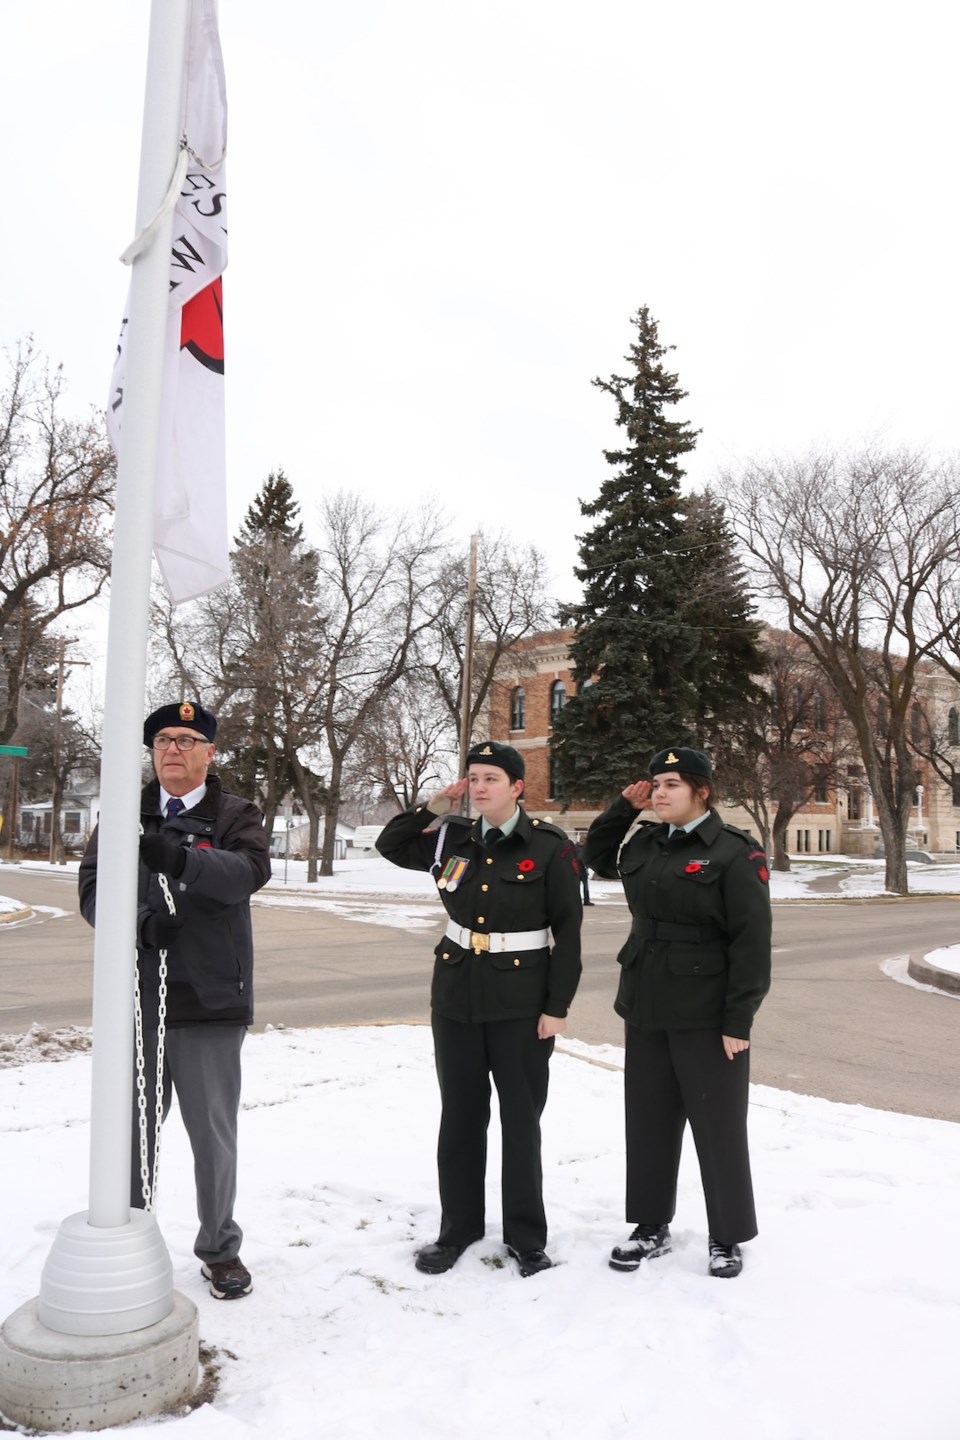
(646, 1243)
(229, 1279)
(438, 1259)
(588, 902)
(726, 1262)
(531, 1262)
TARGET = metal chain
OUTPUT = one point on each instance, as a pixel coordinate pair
(148, 1188)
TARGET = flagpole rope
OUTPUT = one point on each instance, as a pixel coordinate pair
(187, 153)
(137, 246)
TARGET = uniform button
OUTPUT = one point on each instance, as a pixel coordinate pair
(516, 960)
(489, 860)
(484, 888)
(446, 954)
(479, 919)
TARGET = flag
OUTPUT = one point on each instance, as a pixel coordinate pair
(190, 512)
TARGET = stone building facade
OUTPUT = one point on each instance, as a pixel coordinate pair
(535, 680)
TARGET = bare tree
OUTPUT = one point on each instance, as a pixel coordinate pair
(56, 491)
(791, 746)
(378, 599)
(408, 744)
(511, 603)
(859, 547)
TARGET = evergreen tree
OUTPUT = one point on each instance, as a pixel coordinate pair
(664, 644)
(719, 612)
(273, 512)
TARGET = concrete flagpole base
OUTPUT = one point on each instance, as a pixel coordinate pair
(55, 1382)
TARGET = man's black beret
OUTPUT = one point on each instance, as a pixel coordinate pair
(188, 714)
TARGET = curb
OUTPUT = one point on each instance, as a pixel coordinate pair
(926, 974)
(9, 916)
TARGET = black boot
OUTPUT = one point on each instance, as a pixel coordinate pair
(646, 1243)
(726, 1262)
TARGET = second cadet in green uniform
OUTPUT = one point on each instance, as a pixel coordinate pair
(506, 972)
(694, 970)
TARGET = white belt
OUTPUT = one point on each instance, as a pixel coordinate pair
(498, 941)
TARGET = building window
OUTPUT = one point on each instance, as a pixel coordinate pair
(819, 712)
(71, 822)
(883, 718)
(552, 778)
(953, 727)
(955, 787)
(916, 724)
(518, 708)
(854, 798)
(558, 698)
(820, 792)
(823, 840)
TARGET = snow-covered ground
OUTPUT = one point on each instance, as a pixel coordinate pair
(843, 1325)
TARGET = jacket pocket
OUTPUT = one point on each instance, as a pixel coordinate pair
(696, 983)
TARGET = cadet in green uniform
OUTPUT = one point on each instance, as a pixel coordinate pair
(500, 991)
(694, 970)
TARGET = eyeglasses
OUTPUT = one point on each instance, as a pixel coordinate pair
(182, 742)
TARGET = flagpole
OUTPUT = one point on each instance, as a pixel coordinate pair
(88, 1287)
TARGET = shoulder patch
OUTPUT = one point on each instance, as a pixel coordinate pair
(758, 860)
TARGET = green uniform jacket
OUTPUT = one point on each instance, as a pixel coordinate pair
(527, 881)
(698, 955)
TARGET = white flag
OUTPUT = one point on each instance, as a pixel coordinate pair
(190, 520)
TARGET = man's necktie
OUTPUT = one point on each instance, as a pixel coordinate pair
(174, 807)
(493, 835)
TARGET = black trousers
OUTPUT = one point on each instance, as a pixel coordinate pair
(670, 1077)
(466, 1056)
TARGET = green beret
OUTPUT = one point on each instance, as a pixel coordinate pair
(683, 759)
(504, 757)
(188, 714)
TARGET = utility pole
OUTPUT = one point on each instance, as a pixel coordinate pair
(466, 688)
(57, 856)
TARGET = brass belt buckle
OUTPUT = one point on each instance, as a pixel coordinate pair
(479, 943)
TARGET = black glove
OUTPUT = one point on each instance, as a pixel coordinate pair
(158, 931)
(162, 855)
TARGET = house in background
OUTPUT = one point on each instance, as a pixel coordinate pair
(79, 813)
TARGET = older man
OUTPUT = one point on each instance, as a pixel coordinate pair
(212, 849)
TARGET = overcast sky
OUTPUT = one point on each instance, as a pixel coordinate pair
(443, 215)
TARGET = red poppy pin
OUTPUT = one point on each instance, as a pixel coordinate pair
(693, 868)
(526, 866)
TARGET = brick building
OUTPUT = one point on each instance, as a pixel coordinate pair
(535, 680)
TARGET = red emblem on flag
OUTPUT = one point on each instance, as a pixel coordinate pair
(201, 326)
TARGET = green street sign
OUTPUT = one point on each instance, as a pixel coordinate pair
(20, 750)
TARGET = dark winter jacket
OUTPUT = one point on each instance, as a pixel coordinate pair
(698, 955)
(210, 959)
(527, 881)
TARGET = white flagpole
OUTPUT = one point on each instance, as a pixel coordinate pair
(86, 1288)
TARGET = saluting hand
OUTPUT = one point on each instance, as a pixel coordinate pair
(638, 794)
(454, 790)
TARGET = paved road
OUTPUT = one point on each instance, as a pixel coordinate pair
(834, 1024)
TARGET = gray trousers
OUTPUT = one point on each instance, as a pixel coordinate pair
(202, 1063)
(670, 1077)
